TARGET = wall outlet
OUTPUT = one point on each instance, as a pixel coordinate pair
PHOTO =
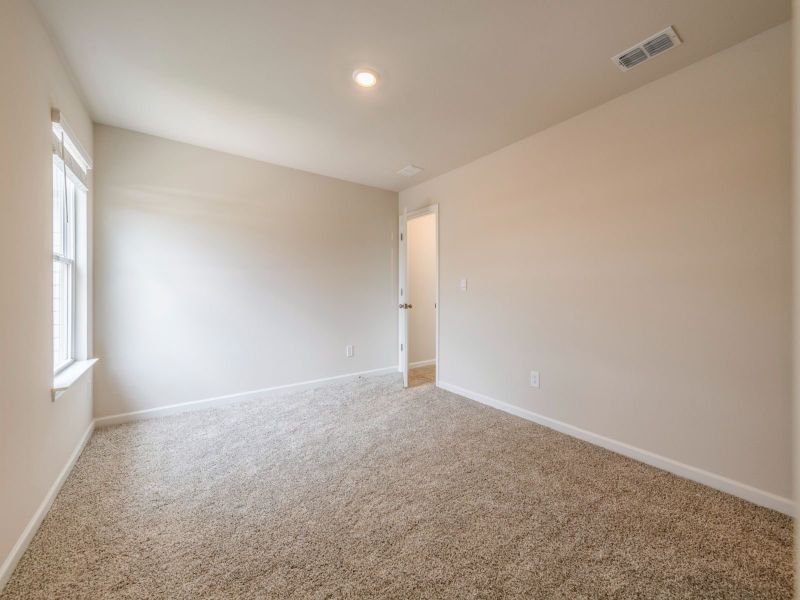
(535, 379)
(463, 285)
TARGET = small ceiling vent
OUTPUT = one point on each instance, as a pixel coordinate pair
(632, 58)
(643, 51)
(409, 171)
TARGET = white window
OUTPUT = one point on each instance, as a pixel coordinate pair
(69, 194)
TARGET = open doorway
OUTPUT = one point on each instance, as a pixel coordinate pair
(419, 296)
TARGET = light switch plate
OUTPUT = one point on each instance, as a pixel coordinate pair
(463, 285)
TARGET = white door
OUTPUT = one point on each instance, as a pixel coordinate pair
(403, 301)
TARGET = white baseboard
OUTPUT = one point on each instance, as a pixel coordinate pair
(422, 363)
(170, 409)
(10, 563)
(724, 484)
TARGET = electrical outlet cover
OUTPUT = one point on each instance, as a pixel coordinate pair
(535, 379)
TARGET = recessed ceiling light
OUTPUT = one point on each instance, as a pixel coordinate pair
(365, 77)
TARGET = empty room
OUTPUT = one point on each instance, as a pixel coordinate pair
(375, 299)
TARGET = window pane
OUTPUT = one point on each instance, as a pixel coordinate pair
(58, 207)
(65, 193)
(61, 313)
(69, 225)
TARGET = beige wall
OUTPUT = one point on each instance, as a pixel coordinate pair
(216, 274)
(37, 436)
(638, 256)
(421, 233)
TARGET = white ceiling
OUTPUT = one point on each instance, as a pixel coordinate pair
(271, 79)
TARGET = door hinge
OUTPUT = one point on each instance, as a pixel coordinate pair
(401, 237)
(401, 347)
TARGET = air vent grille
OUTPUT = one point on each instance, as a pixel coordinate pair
(633, 58)
(409, 171)
(658, 44)
(643, 51)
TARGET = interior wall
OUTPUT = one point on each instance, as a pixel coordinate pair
(216, 274)
(421, 232)
(638, 256)
(37, 436)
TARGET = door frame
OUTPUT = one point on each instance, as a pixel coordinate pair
(405, 217)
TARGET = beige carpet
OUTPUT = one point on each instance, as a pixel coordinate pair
(369, 491)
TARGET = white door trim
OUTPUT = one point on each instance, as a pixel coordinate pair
(402, 296)
(403, 251)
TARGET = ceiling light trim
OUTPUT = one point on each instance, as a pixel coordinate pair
(366, 78)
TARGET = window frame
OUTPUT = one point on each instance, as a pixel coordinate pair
(70, 318)
(66, 256)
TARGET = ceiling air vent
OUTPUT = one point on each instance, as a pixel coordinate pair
(632, 58)
(409, 171)
(643, 51)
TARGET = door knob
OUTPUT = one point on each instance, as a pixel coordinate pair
(406, 306)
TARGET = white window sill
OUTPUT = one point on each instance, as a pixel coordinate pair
(67, 377)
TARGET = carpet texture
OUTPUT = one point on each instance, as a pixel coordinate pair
(367, 490)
